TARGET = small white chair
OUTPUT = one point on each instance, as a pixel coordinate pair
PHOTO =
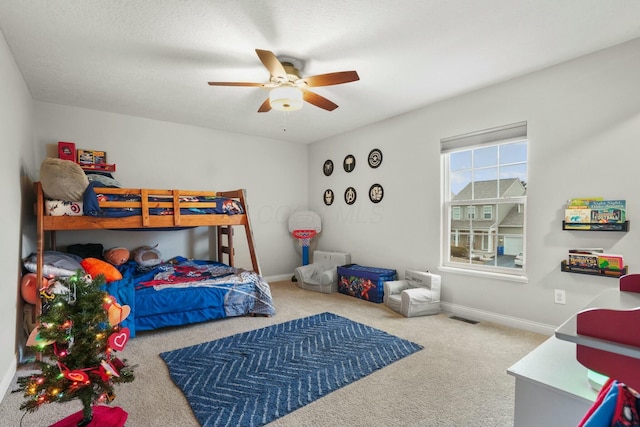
(417, 295)
(322, 274)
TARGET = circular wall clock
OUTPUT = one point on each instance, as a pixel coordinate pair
(349, 163)
(376, 193)
(375, 158)
(350, 195)
(328, 197)
(327, 168)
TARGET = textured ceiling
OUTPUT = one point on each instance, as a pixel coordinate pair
(153, 58)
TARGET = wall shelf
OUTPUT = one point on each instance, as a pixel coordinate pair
(577, 226)
(602, 272)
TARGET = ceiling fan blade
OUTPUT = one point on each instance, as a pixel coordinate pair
(275, 67)
(331, 79)
(236, 84)
(318, 101)
(265, 107)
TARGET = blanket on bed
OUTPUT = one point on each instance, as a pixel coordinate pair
(187, 291)
(91, 205)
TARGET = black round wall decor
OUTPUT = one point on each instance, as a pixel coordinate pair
(328, 197)
(376, 193)
(349, 163)
(350, 195)
(375, 158)
(327, 168)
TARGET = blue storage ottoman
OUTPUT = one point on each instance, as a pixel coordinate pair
(366, 283)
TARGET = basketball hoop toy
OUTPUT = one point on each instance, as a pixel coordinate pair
(304, 225)
(304, 239)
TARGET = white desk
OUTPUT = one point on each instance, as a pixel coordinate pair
(551, 386)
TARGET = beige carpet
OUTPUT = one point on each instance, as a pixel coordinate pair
(459, 379)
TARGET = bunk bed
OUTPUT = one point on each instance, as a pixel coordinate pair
(159, 210)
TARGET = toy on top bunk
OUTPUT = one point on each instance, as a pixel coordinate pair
(65, 181)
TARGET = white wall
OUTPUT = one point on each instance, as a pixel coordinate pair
(584, 131)
(155, 154)
(16, 121)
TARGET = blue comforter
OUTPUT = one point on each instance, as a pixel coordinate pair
(184, 291)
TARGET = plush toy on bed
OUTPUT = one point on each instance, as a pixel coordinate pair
(63, 179)
(147, 256)
(116, 256)
(96, 267)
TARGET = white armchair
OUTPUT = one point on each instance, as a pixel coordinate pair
(322, 274)
(417, 295)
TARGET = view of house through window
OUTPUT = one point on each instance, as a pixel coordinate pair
(485, 177)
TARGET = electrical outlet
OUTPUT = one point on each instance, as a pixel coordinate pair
(559, 296)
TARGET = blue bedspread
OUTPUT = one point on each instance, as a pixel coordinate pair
(186, 291)
(91, 205)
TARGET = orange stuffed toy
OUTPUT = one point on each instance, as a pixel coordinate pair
(96, 267)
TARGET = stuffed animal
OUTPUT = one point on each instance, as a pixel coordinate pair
(63, 179)
(147, 256)
(116, 256)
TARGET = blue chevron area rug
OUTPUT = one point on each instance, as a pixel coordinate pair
(255, 377)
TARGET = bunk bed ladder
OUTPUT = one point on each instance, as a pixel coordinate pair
(228, 248)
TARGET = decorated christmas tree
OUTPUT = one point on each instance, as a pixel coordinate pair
(77, 338)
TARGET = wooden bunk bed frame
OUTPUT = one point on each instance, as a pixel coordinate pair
(47, 224)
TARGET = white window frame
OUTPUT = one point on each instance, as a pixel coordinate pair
(487, 209)
(490, 137)
(456, 213)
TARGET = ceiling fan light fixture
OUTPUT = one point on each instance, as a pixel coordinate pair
(285, 98)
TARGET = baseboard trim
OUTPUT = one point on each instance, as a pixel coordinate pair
(487, 316)
(7, 378)
(279, 278)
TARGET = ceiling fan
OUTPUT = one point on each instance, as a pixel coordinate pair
(289, 88)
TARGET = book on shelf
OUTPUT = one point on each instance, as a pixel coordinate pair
(586, 251)
(584, 262)
(608, 211)
(610, 262)
(577, 216)
(580, 203)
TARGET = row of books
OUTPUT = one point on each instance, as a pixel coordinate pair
(581, 213)
(594, 260)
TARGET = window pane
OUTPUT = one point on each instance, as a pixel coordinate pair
(486, 156)
(486, 184)
(459, 181)
(508, 175)
(460, 160)
(514, 152)
(459, 247)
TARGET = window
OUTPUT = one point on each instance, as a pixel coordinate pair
(485, 181)
(487, 212)
(471, 212)
(456, 212)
